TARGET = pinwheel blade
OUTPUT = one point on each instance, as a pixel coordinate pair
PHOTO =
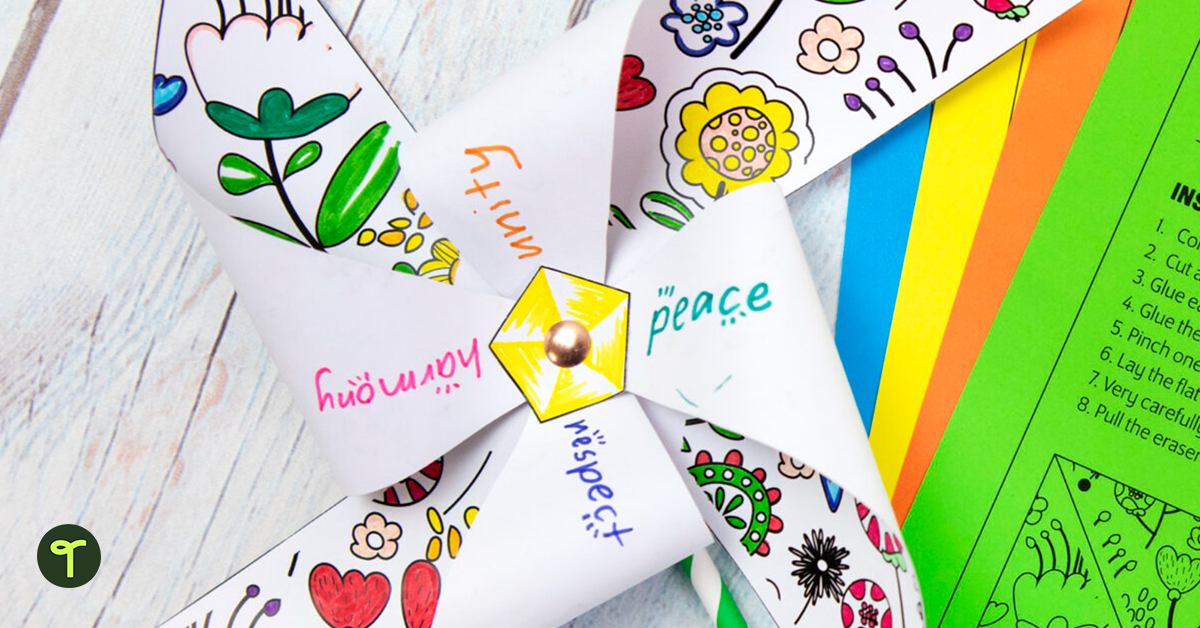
(383, 398)
(586, 505)
(519, 175)
(741, 339)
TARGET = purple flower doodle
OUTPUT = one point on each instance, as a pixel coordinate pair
(701, 26)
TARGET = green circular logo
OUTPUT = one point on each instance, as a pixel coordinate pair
(68, 556)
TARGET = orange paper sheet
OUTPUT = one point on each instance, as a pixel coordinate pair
(1066, 67)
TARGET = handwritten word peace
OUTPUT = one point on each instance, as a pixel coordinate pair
(729, 306)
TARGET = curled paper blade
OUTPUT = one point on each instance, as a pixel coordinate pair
(815, 554)
(519, 174)
(767, 367)
(547, 497)
(372, 560)
(369, 397)
(744, 92)
(286, 147)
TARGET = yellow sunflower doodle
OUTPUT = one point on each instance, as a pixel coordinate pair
(444, 264)
(730, 130)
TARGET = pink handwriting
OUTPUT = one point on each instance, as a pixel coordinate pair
(363, 391)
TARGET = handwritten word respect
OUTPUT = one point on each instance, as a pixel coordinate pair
(508, 219)
(673, 318)
(585, 451)
(363, 391)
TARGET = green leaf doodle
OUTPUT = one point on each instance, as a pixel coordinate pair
(269, 230)
(305, 156)
(239, 175)
(358, 185)
(669, 202)
(404, 267)
(277, 118)
(619, 215)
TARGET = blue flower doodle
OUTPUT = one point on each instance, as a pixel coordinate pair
(704, 25)
(168, 92)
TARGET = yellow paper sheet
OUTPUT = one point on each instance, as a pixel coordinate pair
(966, 134)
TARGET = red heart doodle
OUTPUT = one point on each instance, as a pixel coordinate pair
(419, 594)
(634, 91)
(349, 601)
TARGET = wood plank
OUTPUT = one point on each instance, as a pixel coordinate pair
(23, 24)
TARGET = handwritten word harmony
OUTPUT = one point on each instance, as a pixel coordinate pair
(668, 318)
(364, 391)
(585, 448)
(508, 218)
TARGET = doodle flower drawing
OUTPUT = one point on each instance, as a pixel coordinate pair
(375, 537)
(819, 567)
(1005, 9)
(729, 130)
(444, 264)
(1133, 501)
(266, 51)
(829, 45)
(865, 605)
(701, 26)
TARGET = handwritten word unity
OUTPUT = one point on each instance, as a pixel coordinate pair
(508, 219)
(363, 391)
(585, 452)
(730, 307)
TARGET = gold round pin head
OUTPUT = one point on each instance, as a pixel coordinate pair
(568, 344)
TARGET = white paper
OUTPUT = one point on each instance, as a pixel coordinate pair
(570, 529)
(340, 541)
(823, 559)
(518, 175)
(740, 339)
(813, 59)
(389, 370)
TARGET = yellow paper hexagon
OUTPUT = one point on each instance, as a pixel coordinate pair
(519, 345)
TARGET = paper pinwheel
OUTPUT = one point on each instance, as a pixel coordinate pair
(579, 395)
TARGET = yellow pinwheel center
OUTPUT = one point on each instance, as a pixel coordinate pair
(563, 343)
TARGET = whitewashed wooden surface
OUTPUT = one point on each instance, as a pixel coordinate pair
(136, 399)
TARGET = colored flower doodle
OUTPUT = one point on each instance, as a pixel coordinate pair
(715, 477)
(729, 130)
(829, 46)
(1005, 9)
(788, 468)
(634, 90)
(819, 568)
(167, 93)
(349, 600)
(888, 544)
(268, 609)
(414, 488)
(453, 541)
(704, 25)
(398, 234)
(375, 537)
(419, 593)
(444, 264)
(266, 51)
(865, 605)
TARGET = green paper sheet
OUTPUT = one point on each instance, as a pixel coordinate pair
(1066, 491)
